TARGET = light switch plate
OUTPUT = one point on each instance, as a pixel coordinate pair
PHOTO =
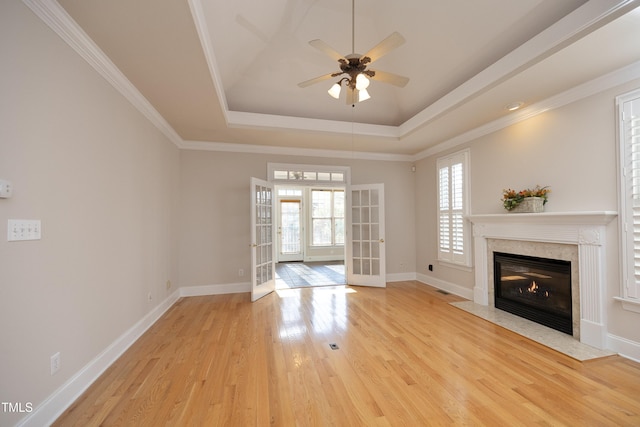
(24, 229)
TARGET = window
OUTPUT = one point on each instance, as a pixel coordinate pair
(453, 234)
(629, 139)
(327, 217)
(307, 174)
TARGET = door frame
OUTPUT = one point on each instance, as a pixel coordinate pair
(287, 174)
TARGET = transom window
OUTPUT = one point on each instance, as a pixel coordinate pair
(308, 174)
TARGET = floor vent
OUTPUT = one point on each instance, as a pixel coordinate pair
(443, 292)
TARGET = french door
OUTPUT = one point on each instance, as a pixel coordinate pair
(366, 248)
(263, 279)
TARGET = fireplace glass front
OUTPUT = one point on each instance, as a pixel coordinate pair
(538, 289)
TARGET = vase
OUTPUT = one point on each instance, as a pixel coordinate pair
(529, 205)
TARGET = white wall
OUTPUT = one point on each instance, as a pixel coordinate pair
(103, 181)
(573, 150)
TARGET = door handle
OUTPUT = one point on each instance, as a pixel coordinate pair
(381, 240)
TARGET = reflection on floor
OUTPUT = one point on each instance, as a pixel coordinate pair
(300, 275)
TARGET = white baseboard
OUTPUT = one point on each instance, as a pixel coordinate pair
(624, 347)
(400, 277)
(445, 286)
(49, 410)
(54, 405)
(230, 288)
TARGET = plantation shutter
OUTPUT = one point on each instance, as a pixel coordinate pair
(631, 143)
(444, 214)
(452, 208)
(457, 206)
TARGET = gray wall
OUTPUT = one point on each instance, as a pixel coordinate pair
(104, 183)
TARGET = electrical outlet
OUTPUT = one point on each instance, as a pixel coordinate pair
(55, 363)
(430, 267)
(241, 272)
(6, 189)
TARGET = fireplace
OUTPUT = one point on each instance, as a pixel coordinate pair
(583, 231)
(538, 289)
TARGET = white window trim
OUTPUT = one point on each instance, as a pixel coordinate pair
(629, 285)
(299, 179)
(464, 260)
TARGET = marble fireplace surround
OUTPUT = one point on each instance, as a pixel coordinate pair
(586, 231)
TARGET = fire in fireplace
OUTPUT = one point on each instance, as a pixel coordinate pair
(538, 289)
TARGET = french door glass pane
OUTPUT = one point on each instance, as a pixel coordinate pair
(356, 232)
(375, 267)
(355, 215)
(375, 198)
(364, 198)
(366, 232)
(357, 269)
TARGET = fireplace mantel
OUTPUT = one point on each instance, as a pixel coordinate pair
(587, 230)
(583, 218)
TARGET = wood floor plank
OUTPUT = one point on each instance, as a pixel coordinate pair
(405, 357)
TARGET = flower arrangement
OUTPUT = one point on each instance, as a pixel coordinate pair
(511, 198)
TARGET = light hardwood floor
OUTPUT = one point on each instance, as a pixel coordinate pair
(406, 357)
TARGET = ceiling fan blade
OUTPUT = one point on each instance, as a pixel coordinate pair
(385, 46)
(315, 80)
(322, 46)
(394, 79)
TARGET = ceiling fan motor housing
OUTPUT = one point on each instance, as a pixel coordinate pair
(353, 65)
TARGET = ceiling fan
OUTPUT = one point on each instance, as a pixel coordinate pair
(355, 65)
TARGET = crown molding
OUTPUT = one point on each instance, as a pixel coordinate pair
(592, 13)
(607, 81)
(583, 20)
(200, 22)
(270, 121)
(580, 22)
(293, 151)
(52, 14)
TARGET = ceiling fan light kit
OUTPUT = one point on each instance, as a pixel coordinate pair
(355, 65)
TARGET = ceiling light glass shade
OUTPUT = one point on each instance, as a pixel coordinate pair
(335, 90)
(362, 82)
(363, 95)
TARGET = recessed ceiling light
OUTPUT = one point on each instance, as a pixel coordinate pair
(514, 106)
